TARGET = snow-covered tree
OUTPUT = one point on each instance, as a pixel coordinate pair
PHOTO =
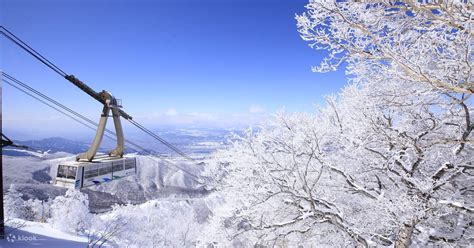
(14, 204)
(386, 162)
(71, 212)
(104, 231)
(37, 210)
(426, 43)
(153, 224)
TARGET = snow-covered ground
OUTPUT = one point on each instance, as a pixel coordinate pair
(21, 233)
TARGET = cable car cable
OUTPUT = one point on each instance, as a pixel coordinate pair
(57, 104)
(53, 107)
(31, 51)
(86, 119)
(55, 68)
(161, 140)
(44, 102)
(48, 98)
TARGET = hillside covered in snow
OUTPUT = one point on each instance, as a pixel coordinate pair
(159, 191)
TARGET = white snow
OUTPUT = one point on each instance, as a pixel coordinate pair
(34, 234)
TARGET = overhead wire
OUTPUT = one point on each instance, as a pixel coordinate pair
(24, 85)
(172, 147)
(75, 115)
(18, 82)
(63, 74)
(44, 102)
(31, 51)
(47, 98)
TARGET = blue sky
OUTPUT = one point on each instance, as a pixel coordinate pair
(178, 62)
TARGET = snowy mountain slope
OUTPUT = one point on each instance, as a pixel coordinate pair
(54, 144)
(21, 233)
(31, 175)
(154, 179)
(21, 152)
(161, 201)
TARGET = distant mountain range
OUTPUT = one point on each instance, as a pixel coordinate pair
(193, 141)
(55, 144)
(49, 145)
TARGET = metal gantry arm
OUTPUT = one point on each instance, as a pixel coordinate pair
(88, 90)
(97, 96)
(110, 104)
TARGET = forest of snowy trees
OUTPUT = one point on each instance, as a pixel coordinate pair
(388, 161)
